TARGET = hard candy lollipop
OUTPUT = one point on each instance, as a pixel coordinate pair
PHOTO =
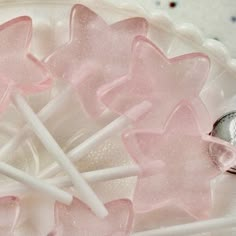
(162, 81)
(151, 78)
(179, 162)
(78, 219)
(26, 75)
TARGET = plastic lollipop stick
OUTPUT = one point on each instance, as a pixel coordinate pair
(35, 183)
(84, 190)
(25, 132)
(91, 177)
(192, 228)
(99, 175)
(92, 142)
(95, 140)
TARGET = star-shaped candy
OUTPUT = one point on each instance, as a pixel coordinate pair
(77, 219)
(95, 53)
(18, 68)
(9, 214)
(179, 163)
(162, 81)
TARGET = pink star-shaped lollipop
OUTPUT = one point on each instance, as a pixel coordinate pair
(18, 68)
(78, 219)
(9, 213)
(179, 163)
(162, 81)
(95, 53)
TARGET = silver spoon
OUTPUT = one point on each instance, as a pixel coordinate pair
(225, 128)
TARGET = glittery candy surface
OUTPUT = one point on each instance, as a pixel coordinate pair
(179, 163)
(77, 219)
(162, 81)
(106, 49)
(18, 68)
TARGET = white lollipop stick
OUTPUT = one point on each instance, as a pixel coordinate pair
(35, 183)
(92, 142)
(25, 132)
(85, 192)
(64, 181)
(191, 228)
(98, 138)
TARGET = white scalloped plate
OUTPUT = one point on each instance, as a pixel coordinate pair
(51, 21)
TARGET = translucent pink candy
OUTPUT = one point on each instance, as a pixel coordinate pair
(9, 213)
(162, 81)
(18, 68)
(179, 163)
(77, 219)
(101, 50)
